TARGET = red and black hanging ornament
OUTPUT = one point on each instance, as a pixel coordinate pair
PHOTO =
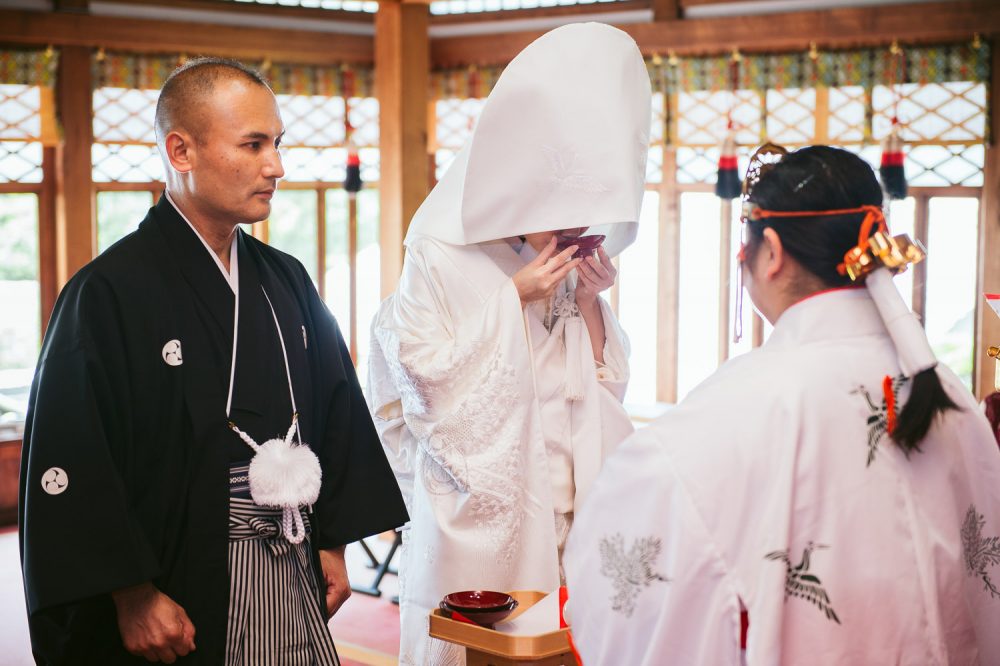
(728, 184)
(892, 170)
(352, 177)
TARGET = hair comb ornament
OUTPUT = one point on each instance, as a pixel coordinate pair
(762, 161)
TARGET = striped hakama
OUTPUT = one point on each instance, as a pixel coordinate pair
(277, 612)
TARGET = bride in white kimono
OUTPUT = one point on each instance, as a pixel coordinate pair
(836, 484)
(497, 371)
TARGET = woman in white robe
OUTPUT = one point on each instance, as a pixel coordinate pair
(833, 484)
(497, 374)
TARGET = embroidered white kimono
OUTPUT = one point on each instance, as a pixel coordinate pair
(495, 418)
(773, 487)
(452, 391)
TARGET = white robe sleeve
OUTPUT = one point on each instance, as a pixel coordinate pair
(436, 357)
(386, 408)
(613, 374)
(650, 589)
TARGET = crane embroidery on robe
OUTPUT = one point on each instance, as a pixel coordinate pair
(800, 583)
(979, 553)
(629, 573)
(883, 417)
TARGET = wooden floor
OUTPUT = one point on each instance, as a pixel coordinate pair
(366, 630)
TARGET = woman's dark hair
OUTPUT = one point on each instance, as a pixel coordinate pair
(823, 178)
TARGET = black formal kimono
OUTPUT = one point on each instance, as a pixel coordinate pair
(124, 469)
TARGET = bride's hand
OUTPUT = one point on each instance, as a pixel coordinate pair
(540, 277)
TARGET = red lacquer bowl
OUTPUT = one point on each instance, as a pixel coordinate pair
(483, 607)
(585, 245)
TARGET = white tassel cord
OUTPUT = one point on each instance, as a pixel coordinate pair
(914, 352)
(284, 475)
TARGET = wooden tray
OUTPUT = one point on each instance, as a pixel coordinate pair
(481, 643)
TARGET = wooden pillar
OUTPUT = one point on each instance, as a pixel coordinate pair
(987, 323)
(402, 81)
(668, 270)
(47, 245)
(666, 10)
(76, 234)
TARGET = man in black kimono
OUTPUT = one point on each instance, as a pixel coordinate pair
(139, 538)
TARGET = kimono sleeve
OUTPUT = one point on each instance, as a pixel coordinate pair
(359, 495)
(651, 589)
(449, 366)
(613, 375)
(79, 537)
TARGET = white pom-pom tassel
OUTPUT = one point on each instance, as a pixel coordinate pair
(283, 474)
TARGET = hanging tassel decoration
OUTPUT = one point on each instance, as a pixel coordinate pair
(891, 170)
(352, 177)
(728, 184)
(352, 181)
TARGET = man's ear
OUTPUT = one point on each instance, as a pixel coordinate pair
(774, 253)
(180, 150)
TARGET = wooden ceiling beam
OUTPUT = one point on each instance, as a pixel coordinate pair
(560, 11)
(834, 28)
(255, 8)
(154, 36)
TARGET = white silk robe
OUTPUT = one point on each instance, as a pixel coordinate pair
(773, 487)
(453, 392)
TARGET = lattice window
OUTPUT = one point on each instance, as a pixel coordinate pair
(456, 118)
(939, 166)
(697, 165)
(20, 134)
(944, 125)
(475, 6)
(938, 112)
(312, 150)
(846, 115)
(701, 117)
(791, 115)
(124, 140)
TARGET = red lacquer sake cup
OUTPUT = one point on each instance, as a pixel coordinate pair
(484, 607)
(585, 245)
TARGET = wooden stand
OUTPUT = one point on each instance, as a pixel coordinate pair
(485, 647)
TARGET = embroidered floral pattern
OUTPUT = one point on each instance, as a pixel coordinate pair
(800, 583)
(878, 419)
(472, 445)
(979, 553)
(632, 572)
(568, 175)
(564, 305)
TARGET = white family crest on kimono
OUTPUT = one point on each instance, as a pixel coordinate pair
(496, 418)
(780, 480)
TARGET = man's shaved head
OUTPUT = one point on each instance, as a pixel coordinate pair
(182, 99)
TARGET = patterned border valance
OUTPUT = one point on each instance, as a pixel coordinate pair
(28, 67)
(809, 69)
(469, 82)
(148, 72)
(865, 67)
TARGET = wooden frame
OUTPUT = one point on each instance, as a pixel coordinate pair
(848, 27)
(149, 36)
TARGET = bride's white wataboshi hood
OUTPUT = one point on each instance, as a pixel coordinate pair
(561, 143)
